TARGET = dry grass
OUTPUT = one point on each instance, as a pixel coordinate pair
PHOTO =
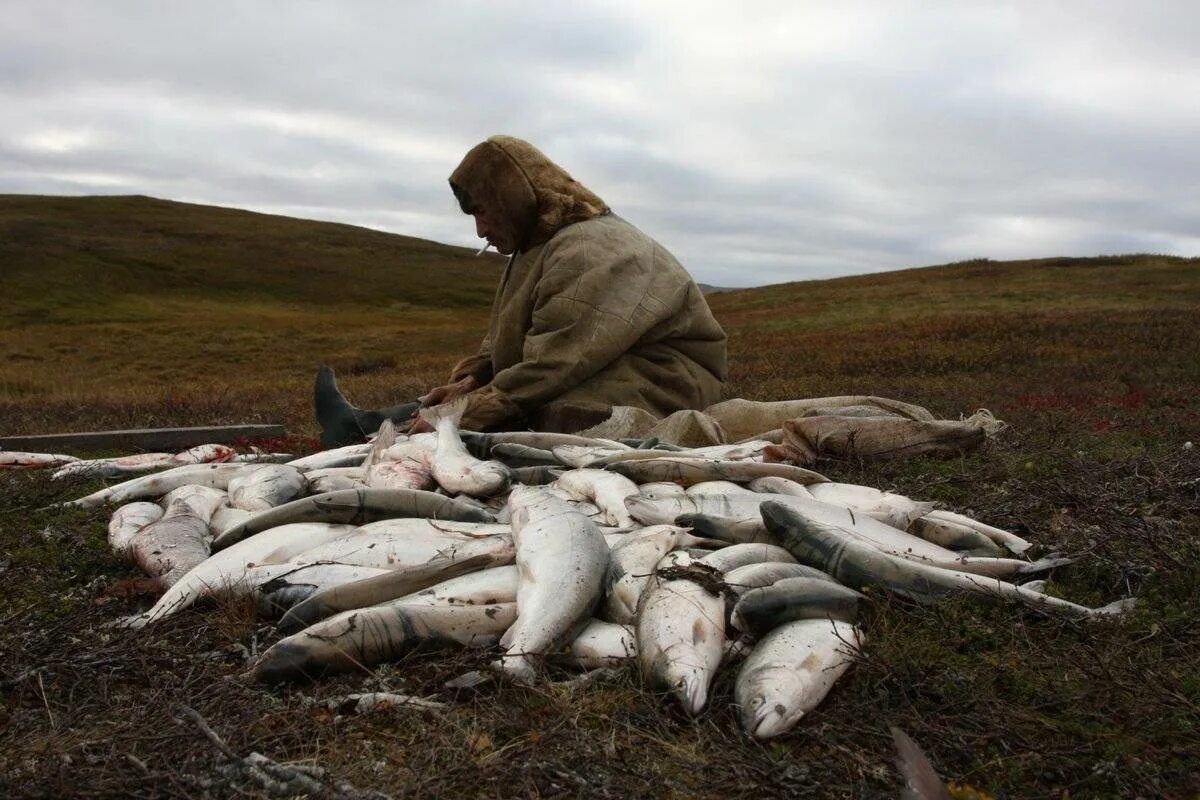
(1094, 362)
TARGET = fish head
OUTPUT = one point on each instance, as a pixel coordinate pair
(691, 689)
(764, 719)
(648, 510)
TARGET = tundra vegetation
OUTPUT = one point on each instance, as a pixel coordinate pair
(133, 312)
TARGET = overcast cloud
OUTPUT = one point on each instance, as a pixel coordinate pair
(765, 143)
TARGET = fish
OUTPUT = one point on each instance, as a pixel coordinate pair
(357, 506)
(631, 564)
(758, 611)
(387, 587)
(216, 476)
(454, 469)
(13, 459)
(113, 467)
(894, 509)
(858, 565)
(775, 485)
(606, 489)
(227, 568)
(739, 555)
(562, 558)
(651, 508)
(278, 587)
(747, 529)
(790, 671)
(266, 486)
(398, 543)
(168, 548)
(360, 638)
(127, 521)
(687, 471)
(601, 644)
(1001, 537)
(680, 633)
(352, 455)
(955, 536)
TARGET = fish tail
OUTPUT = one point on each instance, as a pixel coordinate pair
(452, 411)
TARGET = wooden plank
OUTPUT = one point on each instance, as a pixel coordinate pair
(145, 439)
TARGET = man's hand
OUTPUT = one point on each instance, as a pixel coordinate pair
(442, 394)
(449, 392)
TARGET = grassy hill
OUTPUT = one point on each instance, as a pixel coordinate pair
(138, 312)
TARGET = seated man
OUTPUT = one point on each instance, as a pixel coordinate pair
(590, 312)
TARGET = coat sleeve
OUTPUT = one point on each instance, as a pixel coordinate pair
(593, 303)
(478, 366)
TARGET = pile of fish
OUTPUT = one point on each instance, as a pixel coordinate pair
(559, 549)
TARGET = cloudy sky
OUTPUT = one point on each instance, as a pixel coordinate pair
(763, 143)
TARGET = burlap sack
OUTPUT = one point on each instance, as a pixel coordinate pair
(744, 419)
(838, 436)
(684, 428)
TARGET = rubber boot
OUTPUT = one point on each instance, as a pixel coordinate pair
(342, 423)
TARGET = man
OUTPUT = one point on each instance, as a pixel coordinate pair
(590, 312)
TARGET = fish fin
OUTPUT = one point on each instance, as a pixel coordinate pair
(385, 439)
(1036, 586)
(452, 411)
(921, 782)
(1048, 563)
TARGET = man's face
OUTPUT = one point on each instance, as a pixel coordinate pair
(487, 226)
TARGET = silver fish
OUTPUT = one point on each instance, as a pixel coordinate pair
(357, 506)
(681, 634)
(631, 564)
(355, 640)
(606, 489)
(687, 471)
(790, 671)
(562, 557)
(455, 469)
(758, 611)
(266, 486)
(378, 590)
(228, 568)
(857, 565)
(127, 521)
(167, 549)
(216, 476)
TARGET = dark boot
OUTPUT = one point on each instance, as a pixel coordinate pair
(343, 424)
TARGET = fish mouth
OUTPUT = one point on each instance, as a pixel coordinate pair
(692, 693)
(770, 720)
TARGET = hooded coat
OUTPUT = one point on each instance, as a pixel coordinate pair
(590, 312)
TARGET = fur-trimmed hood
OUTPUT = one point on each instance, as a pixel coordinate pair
(532, 194)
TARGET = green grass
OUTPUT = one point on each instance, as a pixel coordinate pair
(155, 313)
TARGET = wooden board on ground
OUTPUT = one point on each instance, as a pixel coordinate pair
(146, 439)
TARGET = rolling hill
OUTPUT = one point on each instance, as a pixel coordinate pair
(132, 312)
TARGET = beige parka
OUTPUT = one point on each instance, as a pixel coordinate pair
(590, 312)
